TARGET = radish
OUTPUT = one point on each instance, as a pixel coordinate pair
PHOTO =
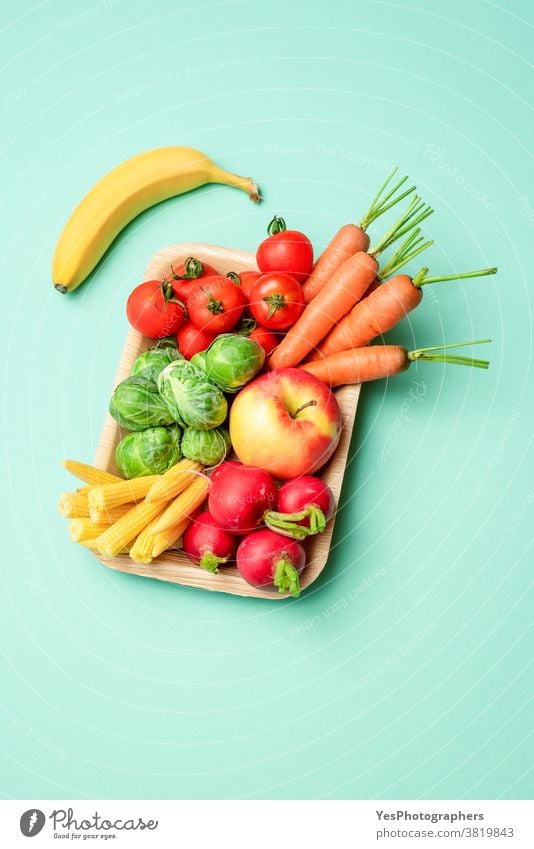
(239, 496)
(303, 508)
(207, 544)
(267, 560)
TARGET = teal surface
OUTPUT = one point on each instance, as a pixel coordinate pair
(405, 672)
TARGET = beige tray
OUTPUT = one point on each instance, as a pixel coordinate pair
(172, 565)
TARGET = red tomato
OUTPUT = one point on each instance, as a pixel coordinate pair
(244, 279)
(216, 304)
(153, 309)
(285, 250)
(183, 277)
(191, 340)
(276, 300)
(266, 338)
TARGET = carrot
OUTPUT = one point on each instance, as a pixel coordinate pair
(343, 290)
(351, 238)
(382, 310)
(359, 365)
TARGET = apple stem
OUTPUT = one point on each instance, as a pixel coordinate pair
(311, 403)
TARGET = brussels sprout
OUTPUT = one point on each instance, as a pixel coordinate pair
(232, 360)
(192, 398)
(136, 404)
(152, 362)
(199, 360)
(208, 447)
(148, 452)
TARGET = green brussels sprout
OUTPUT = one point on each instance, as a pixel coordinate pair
(208, 447)
(153, 361)
(199, 360)
(136, 404)
(148, 452)
(192, 399)
(232, 360)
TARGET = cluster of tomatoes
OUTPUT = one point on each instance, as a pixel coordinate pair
(197, 303)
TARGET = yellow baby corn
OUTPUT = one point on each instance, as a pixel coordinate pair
(73, 505)
(182, 506)
(114, 494)
(166, 538)
(82, 529)
(89, 474)
(141, 550)
(174, 481)
(125, 529)
(110, 515)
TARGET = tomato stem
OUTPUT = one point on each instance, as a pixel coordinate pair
(214, 306)
(276, 302)
(193, 269)
(277, 225)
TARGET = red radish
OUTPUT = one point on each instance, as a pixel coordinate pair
(183, 277)
(239, 496)
(191, 340)
(303, 507)
(285, 250)
(267, 560)
(207, 544)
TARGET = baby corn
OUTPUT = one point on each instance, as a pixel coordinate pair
(182, 506)
(174, 481)
(73, 505)
(114, 494)
(89, 474)
(123, 531)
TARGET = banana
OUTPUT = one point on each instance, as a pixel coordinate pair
(132, 187)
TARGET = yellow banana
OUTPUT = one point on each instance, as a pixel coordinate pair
(117, 198)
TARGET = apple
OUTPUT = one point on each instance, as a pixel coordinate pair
(287, 422)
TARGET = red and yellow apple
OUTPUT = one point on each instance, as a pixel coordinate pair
(287, 422)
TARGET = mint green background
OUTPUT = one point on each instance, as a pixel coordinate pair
(413, 683)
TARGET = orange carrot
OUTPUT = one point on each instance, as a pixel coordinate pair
(352, 238)
(382, 310)
(359, 365)
(343, 290)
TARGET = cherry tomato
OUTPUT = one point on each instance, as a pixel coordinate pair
(276, 301)
(244, 279)
(266, 338)
(183, 278)
(285, 250)
(154, 310)
(191, 340)
(216, 304)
